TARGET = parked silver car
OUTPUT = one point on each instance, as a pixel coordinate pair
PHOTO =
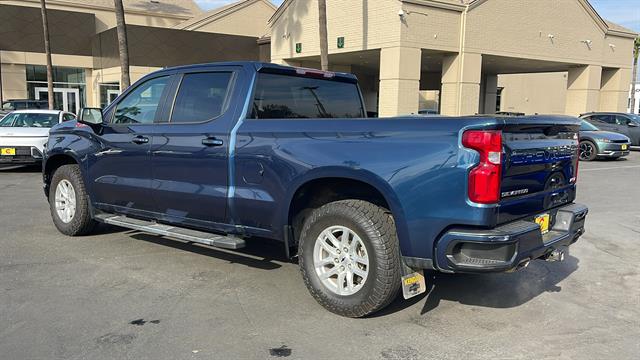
(23, 134)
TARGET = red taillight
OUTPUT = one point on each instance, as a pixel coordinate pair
(484, 179)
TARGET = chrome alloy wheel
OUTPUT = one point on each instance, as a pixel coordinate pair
(341, 260)
(586, 151)
(65, 201)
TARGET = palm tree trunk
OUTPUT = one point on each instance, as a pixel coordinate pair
(324, 45)
(123, 45)
(634, 78)
(47, 51)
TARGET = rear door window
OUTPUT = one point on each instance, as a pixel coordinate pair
(608, 119)
(294, 97)
(201, 97)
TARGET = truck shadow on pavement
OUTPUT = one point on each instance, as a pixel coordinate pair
(20, 169)
(501, 290)
(259, 253)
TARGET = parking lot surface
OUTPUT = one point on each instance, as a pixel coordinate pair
(125, 295)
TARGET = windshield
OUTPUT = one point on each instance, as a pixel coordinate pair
(587, 126)
(6, 121)
(29, 120)
(635, 118)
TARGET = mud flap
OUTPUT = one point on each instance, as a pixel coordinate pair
(413, 284)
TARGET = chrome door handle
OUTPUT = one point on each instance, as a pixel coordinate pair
(140, 140)
(211, 141)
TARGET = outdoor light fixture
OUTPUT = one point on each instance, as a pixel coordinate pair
(402, 13)
(588, 42)
(612, 46)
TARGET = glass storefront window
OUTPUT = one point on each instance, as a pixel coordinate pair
(69, 86)
(60, 74)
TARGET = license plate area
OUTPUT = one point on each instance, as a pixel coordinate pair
(7, 151)
(544, 221)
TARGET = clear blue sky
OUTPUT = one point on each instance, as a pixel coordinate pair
(623, 12)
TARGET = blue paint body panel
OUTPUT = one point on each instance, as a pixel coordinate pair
(246, 186)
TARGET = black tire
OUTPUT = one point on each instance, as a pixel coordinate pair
(376, 228)
(588, 150)
(81, 223)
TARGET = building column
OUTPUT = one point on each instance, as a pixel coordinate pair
(461, 75)
(399, 81)
(490, 94)
(583, 89)
(614, 90)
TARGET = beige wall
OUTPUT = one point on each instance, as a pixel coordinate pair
(543, 93)
(105, 18)
(430, 28)
(249, 21)
(363, 24)
(520, 28)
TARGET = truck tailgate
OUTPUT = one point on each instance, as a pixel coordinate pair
(540, 165)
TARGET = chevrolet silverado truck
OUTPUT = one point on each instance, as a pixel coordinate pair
(222, 154)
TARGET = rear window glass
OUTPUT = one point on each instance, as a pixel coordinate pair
(293, 97)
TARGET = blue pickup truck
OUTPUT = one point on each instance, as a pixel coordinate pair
(225, 153)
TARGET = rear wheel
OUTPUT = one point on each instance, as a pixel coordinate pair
(349, 257)
(69, 202)
(588, 150)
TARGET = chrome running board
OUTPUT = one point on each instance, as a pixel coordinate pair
(226, 242)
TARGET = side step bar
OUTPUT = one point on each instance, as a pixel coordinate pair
(226, 242)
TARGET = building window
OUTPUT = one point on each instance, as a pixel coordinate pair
(498, 98)
(108, 93)
(69, 86)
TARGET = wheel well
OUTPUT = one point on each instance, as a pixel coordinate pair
(52, 164)
(316, 193)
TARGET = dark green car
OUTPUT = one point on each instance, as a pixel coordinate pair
(595, 143)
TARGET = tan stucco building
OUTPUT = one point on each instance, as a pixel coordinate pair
(449, 53)
(84, 43)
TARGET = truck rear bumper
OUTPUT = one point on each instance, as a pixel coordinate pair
(508, 246)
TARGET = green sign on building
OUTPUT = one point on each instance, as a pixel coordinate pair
(298, 48)
(341, 42)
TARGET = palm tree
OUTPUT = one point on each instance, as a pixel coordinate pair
(634, 78)
(123, 45)
(47, 51)
(324, 45)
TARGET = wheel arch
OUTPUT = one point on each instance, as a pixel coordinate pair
(324, 185)
(54, 162)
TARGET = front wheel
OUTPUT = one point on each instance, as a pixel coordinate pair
(69, 202)
(588, 150)
(349, 257)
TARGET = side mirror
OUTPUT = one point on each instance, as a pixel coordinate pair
(632, 124)
(90, 116)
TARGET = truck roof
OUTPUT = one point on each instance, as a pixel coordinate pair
(259, 66)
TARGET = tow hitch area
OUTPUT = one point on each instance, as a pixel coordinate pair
(413, 285)
(557, 254)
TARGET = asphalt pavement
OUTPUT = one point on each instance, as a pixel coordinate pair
(125, 295)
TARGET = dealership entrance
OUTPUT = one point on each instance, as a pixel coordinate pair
(66, 99)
